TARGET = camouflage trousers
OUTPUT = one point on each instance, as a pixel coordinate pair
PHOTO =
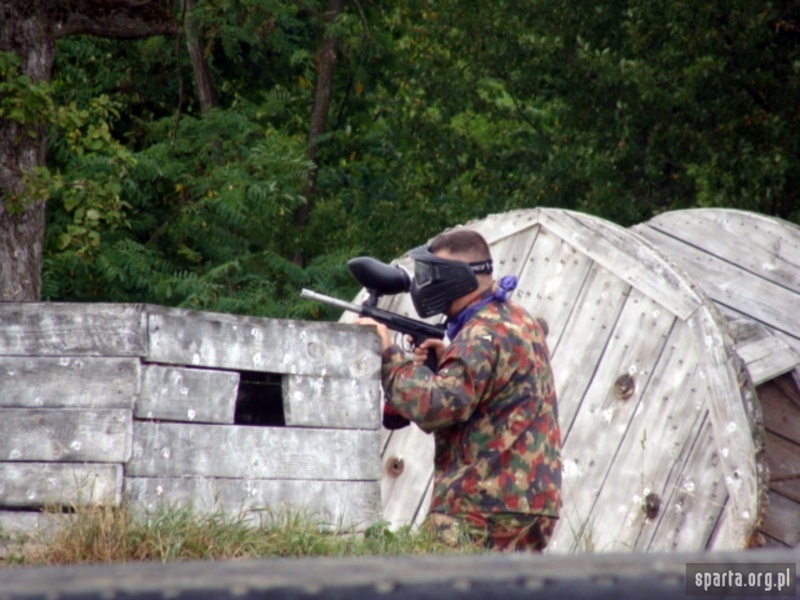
(506, 532)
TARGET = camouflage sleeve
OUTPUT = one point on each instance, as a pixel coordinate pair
(451, 395)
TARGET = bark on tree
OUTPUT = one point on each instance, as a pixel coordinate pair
(22, 148)
(326, 63)
(202, 73)
(29, 30)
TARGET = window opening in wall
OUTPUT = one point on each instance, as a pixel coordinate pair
(259, 400)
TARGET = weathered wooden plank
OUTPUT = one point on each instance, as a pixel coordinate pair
(61, 329)
(587, 334)
(767, 357)
(551, 283)
(424, 506)
(591, 444)
(653, 449)
(729, 285)
(65, 435)
(499, 226)
(692, 509)
(790, 385)
(267, 345)
(734, 319)
(724, 536)
(336, 505)
(510, 255)
(758, 349)
(33, 525)
(68, 381)
(745, 330)
(628, 255)
(407, 470)
(733, 407)
(783, 460)
(782, 522)
(781, 413)
(331, 402)
(177, 449)
(35, 485)
(189, 395)
(773, 245)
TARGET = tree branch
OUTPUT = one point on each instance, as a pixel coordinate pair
(117, 19)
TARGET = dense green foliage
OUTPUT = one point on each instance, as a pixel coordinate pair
(441, 112)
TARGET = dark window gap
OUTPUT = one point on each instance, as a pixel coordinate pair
(259, 400)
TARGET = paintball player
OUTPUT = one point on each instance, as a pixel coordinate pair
(491, 404)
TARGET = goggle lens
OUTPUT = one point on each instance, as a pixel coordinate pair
(423, 273)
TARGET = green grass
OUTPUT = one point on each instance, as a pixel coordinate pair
(115, 535)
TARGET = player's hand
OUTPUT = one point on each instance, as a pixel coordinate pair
(420, 353)
(380, 328)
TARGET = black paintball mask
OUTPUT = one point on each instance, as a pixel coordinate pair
(438, 281)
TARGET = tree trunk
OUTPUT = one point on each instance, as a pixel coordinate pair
(202, 74)
(29, 29)
(22, 147)
(326, 63)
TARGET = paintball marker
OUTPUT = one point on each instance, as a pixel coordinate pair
(381, 279)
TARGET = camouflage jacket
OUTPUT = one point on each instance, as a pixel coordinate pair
(492, 409)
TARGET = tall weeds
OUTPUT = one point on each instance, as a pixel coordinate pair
(95, 535)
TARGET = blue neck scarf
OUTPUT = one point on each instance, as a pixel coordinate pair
(505, 286)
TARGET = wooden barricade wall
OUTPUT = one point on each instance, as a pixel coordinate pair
(102, 404)
(748, 263)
